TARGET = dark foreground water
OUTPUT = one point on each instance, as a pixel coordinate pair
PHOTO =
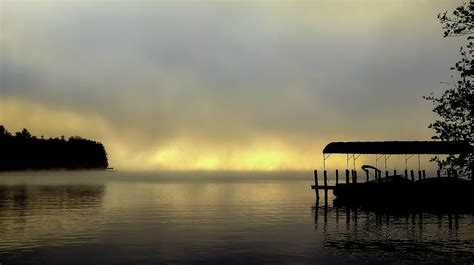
(220, 218)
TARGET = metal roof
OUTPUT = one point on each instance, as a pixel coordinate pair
(399, 147)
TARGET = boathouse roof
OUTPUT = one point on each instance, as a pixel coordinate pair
(398, 147)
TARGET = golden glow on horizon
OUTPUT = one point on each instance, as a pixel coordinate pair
(266, 155)
(262, 152)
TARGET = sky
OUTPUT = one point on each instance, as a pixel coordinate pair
(222, 85)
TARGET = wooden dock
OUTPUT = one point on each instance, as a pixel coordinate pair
(374, 186)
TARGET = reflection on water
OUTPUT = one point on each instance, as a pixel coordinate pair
(217, 218)
(415, 236)
(32, 215)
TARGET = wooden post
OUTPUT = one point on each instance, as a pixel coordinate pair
(325, 180)
(438, 173)
(406, 173)
(347, 176)
(412, 174)
(316, 186)
(325, 188)
(354, 180)
(424, 174)
(386, 173)
(367, 175)
(394, 172)
(419, 174)
(337, 177)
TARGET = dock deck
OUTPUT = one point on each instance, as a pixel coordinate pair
(313, 187)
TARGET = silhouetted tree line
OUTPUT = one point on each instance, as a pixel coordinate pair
(25, 151)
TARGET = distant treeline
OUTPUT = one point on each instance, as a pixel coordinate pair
(24, 151)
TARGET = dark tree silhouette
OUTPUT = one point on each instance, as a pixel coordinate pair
(455, 107)
(461, 22)
(24, 151)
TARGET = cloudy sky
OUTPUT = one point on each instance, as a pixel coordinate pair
(219, 84)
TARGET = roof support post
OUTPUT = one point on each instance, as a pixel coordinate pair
(419, 167)
(406, 163)
(325, 157)
(386, 158)
(354, 161)
(347, 161)
(406, 160)
(377, 160)
(348, 158)
(354, 157)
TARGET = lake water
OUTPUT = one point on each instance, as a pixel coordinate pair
(209, 218)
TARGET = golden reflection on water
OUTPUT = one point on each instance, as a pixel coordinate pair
(215, 217)
(32, 216)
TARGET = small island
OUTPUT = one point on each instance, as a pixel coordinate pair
(23, 151)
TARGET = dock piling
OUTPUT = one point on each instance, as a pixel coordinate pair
(412, 174)
(367, 175)
(424, 174)
(325, 179)
(316, 183)
(354, 180)
(394, 172)
(419, 174)
(337, 177)
(406, 173)
(347, 176)
(325, 184)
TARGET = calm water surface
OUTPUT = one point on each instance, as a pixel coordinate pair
(224, 218)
